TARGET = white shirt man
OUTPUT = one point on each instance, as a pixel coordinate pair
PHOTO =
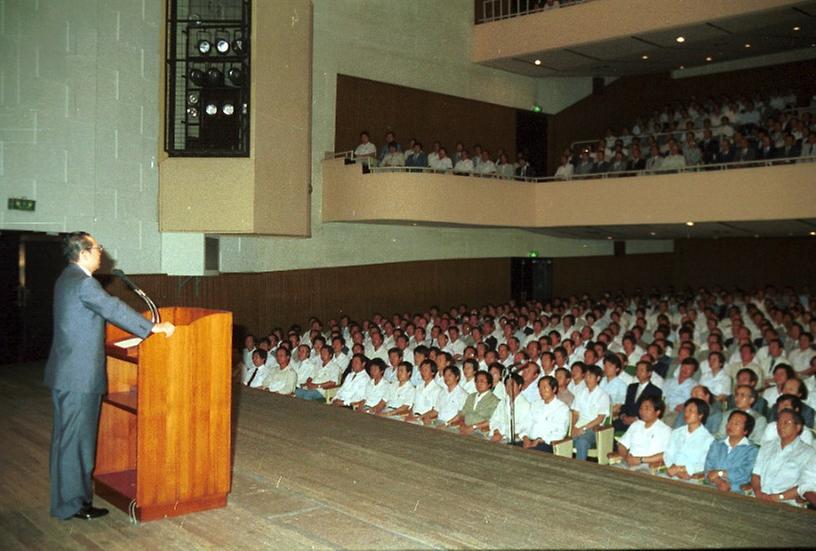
(329, 372)
(282, 379)
(366, 150)
(591, 404)
(643, 441)
(376, 392)
(719, 384)
(400, 394)
(425, 396)
(487, 167)
(549, 421)
(353, 388)
(464, 166)
(440, 163)
(500, 420)
(449, 402)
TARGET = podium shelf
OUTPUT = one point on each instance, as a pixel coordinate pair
(121, 484)
(122, 400)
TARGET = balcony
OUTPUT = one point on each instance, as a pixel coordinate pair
(717, 200)
(622, 37)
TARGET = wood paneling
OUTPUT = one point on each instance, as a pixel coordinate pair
(624, 100)
(262, 301)
(426, 116)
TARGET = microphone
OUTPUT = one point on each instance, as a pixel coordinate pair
(154, 311)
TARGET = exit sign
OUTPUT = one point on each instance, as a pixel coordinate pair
(21, 204)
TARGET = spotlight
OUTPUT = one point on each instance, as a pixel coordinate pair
(192, 98)
(238, 46)
(215, 77)
(680, 39)
(235, 76)
(689, 223)
(222, 46)
(198, 77)
(644, 57)
(537, 62)
(796, 28)
(211, 109)
(747, 45)
(204, 47)
(709, 58)
(192, 112)
(228, 109)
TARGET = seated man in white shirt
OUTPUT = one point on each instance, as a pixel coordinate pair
(324, 377)
(486, 167)
(613, 383)
(377, 389)
(393, 158)
(354, 385)
(504, 417)
(449, 401)
(549, 418)
(645, 440)
(786, 401)
(366, 152)
(715, 378)
(283, 379)
(780, 463)
(400, 397)
(589, 410)
(464, 165)
(246, 355)
(427, 391)
(441, 161)
(303, 364)
(688, 446)
(257, 373)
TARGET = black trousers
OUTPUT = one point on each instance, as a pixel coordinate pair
(543, 447)
(73, 450)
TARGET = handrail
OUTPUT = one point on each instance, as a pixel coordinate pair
(600, 176)
(682, 131)
(525, 7)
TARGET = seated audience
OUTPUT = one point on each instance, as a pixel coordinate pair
(549, 418)
(394, 157)
(780, 463)
(418, 158)
(377, 390)
(791, 402)
(678, 390)
(744, 398)
(354, 385)
(636, 392)
(645, 440)
(515, 414)
(730, 460)
(464, 165)
(366, 151)
(688, 446)
(478, 407)
(400, 397)
(281, 379)
(589, 409)
(440, 160)
(565, 169)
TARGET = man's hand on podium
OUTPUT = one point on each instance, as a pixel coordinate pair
(164, 327)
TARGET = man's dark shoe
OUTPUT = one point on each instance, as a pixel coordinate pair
(89, 512)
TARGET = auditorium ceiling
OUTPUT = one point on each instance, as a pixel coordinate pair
(756, 34)
(702, 230)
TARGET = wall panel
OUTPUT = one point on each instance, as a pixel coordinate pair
(261, 301)
(364, 104)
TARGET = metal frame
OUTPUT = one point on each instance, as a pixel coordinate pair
(175, 89)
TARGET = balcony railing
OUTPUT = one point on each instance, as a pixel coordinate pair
(496, 10)
(371, 168)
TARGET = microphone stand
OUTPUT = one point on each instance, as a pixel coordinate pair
(154, 311)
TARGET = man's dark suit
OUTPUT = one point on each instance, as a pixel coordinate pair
(75, 372)
(631, 406)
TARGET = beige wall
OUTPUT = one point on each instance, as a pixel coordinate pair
(765, 193)
(519, 36)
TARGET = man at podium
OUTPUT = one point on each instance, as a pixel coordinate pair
(75, 372)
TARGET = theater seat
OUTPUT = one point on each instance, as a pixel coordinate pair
(330, 394)
(563, 447)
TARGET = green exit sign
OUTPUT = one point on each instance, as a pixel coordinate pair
(21, 204)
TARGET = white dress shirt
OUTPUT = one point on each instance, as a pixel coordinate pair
(376, 392)
(449, 403)
(500, 420)
(643, 441)
(281, 381)
(400, 394)
(353, 388)
(780, 468)
(425, 397)
(590, 405)
(549, 421)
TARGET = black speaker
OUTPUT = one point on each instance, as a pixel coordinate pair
(531, 279)
(597, 86)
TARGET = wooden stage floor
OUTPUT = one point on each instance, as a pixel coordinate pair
(310, 476)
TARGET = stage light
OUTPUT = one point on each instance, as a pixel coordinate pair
(796, 28)
(680, 39)
(222, 46)
(215, 77)
(198, 77)
(235, 76)
(644, 57)
(204, 47)
(211, 109)
(192, 112)
(228, 109)
(537, 62)
(747, 45)
(709, 58)
(689, 223)
(192, 98)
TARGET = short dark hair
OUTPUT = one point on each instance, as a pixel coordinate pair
(594, 370)
(262, 353)
(75, 243)
(691, 361)
(657, 403)
(751, 375)
(378, 362)
(455, 370)
(430, 363)
(409, 367)
(486, 375)
(614, 360)
(702, 407)
(550, 380)
(749, 420)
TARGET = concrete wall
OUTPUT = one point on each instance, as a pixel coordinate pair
(79, 104)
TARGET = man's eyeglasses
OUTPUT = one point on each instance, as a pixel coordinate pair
(100, 248)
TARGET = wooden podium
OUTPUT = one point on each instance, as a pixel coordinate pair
(164, 429)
